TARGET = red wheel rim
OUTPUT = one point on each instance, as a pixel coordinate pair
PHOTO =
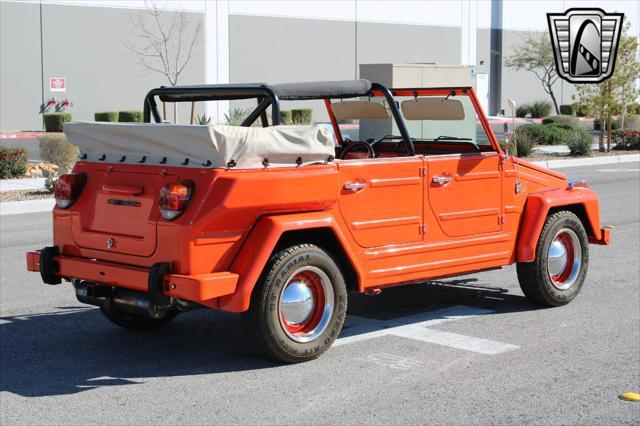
(564, 259)
(306, 304)
(312, 281)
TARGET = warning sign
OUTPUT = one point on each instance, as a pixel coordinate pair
(57, 84)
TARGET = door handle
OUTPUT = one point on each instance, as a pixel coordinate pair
(441, 179)
(355, 186)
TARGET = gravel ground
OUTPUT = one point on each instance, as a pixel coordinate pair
(23, 195)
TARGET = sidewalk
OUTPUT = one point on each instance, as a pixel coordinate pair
(30, 206)
(21, 184)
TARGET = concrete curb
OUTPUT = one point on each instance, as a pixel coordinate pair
(576, 162)
(30, 206)
(21, 184)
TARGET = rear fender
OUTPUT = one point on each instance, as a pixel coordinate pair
(583, 201)
(259, 245)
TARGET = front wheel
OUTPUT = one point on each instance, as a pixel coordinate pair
(558, 272)
(299, 306)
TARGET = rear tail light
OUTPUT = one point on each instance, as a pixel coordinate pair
(174, 198)
(68, 188)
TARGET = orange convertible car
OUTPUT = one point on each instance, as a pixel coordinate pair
(282, 221)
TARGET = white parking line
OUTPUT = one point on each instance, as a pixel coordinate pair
(415, 327)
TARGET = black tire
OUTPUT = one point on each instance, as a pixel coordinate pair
(136, 322)
(268, 322)
(535, 278)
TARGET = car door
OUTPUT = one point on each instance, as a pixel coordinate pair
(381, 200)
(464, 193)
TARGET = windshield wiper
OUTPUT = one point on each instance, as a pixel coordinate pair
(451, 138)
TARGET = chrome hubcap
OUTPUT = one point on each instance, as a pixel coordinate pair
(297, 303)
(557, 258)
(564, 259)
(306, 304)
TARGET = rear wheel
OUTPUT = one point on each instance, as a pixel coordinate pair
(137, 322)
(299, 306)
(558, 272)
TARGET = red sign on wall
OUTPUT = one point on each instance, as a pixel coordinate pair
(57, 84)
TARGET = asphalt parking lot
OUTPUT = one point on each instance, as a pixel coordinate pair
(469, 350)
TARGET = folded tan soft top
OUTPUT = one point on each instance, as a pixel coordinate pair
(201, 146)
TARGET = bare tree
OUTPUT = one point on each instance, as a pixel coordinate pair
(535, 55)
(164, 45)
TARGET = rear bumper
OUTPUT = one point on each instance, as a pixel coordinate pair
(605, 237)
(198, 288)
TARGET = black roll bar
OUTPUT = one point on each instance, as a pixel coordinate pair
(214, 92)
(393, 106)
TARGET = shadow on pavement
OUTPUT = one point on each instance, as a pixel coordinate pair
(76, 348)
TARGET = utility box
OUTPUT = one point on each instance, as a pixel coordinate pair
(420, 75)
(411, 76)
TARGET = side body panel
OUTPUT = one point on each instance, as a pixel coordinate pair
(385, 206)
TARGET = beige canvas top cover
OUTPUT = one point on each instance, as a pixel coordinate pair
(203, 146)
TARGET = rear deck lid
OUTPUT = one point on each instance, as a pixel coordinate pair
(118, 210)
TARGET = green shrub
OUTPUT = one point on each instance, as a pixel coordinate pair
(57, 150)
(579, 109)
(49, 180)
(130, 116)
(540, 109)
(524, 145)
(568, 120)
(236, 116)
(503, 145)
(567, 109)
(543, 134)
(108, 116)
(203, 120)
(579, 142)
(632, 122)
(626, 139)
(54, 121)
(302, 116)
(13, 162)
(635, 109)
(285, 117)
(522, 110)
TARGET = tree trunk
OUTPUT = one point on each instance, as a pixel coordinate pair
(553, 98)
(609, 116)
(602, 127)
(609, 133)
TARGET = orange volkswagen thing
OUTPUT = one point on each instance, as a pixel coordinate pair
(281, 222)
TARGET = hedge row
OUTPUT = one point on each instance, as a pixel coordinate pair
(119, 116)
(54, 121)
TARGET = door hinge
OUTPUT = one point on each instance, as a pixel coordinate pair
(501, 219)
(423, 171)
(423, 229)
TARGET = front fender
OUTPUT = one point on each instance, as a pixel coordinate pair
(537, 209)
(258, 247)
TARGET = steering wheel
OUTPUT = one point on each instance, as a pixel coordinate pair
(358, 144)
(391, 138)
